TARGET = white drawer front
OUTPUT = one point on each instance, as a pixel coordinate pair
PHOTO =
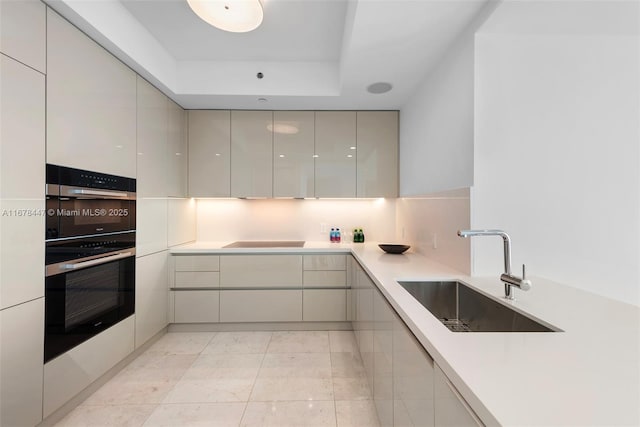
(324, 305)
(197, 279)
(197, 262)
(325, 279)
(261, 271)
(325, 262)
(261, 306)
(197, 306)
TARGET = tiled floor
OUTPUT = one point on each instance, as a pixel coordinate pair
(237, 379)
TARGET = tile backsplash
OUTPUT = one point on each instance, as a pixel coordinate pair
(286, 219)
(430, 223)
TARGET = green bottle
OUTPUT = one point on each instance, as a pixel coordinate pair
(361, 234)
(356, 236)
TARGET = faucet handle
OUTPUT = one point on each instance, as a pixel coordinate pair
(524, 272)
(525, 285)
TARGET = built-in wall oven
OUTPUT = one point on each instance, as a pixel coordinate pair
(90, 255)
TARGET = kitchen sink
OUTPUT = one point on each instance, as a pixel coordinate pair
(462, 309)
(266, 244)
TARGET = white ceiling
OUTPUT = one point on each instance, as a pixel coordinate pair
(315, 54)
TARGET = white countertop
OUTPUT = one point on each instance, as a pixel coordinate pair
(589, 374)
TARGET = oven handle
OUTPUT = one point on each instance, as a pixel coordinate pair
(97, 261)
(85, 192)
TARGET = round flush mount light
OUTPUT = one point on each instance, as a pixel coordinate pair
(236, 16)
(379, 87)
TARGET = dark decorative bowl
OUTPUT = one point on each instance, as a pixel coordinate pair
(394, 249)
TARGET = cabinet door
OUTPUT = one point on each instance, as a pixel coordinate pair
(324, 305)
(364, 316)
(261, 306)
(261, 271)
(152, 117)
(335, 161)
(177, 154)
(23, 30)
(152, 296)
(412, 380)
(450, 407)
(197, 306)
(377, 154)
(293, 149)
(91, 103)
(251, 154)
(22, 150)
(209, 153)
(383, 358)
(21, 372)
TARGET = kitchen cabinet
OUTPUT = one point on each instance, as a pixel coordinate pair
(383, 316)
(413, 380)
(273, 305)
(251, 154)
(209, 136)
(177, 152)
(21, 373)
(364, 321)
(194, 284)
(91, 103)
(377, 159)
(335, 161)
(23, 28)
(324, 281)
(450, 408)
(152, 296)
(324, 305)
(22, 182)
(261, 271)
(151, 225)
(71, 372)
(293, 149)
(197, 306)
(152, 136)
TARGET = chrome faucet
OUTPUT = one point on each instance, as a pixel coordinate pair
(507, 278)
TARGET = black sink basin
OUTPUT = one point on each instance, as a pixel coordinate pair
(462, 309)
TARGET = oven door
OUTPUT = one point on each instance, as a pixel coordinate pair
(80, 211)
(84, 297)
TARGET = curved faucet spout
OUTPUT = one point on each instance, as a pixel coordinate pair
(505, 237)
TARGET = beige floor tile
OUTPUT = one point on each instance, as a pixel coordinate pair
(271, 389)
(111, 415)
(361, 413)
(182, 342)
(197, 414)
(343, 342)
(124, 390)
(347, 365)
(351, 389)
(158, 366)
(294, 414)
(238, 343)
(309, 365)
(223, 365)
(208, 391)
(299, 342)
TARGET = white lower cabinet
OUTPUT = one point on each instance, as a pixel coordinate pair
(201, 306)
(271, 305)
(413, 394)
(364, 319)
(383, 359)
(151, 296)
(21, 352)
(70, 373)
(324, 305)
(263, 271)
(451, 410)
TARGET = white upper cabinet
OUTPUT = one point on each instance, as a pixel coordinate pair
(22, 180)
(251, 154)
(152, 118)
(177, 153)
(335, 161)
(377, 154)
(293, 149)
(23, 29)
(209, 153)
(91, 103)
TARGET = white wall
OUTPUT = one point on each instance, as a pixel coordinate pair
(272, 219)
(557, 155)
(436, 124)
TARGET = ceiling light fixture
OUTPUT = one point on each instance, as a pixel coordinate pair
(236, 16)
(379, 87)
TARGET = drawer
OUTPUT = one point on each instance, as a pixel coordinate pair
(261, 306)
(261, 271)
(197, 262)
(324, 279)
(324, 305)
(197, 279)
(325, 262)
(196, 306)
